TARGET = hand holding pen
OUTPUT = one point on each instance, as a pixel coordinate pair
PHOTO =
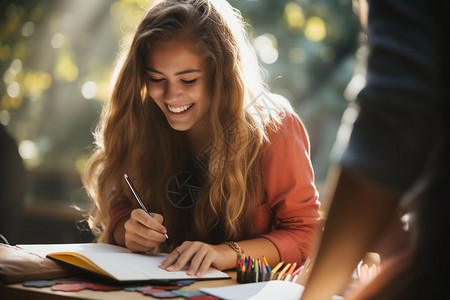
(144, 230)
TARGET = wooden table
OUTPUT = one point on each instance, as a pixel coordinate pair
(18, 291)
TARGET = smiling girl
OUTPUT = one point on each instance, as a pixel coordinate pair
(221, 164)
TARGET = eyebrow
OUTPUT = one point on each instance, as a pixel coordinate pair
(178, 73)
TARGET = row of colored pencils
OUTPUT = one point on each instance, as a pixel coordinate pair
(250, 269)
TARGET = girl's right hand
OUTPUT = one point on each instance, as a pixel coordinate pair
(143, 231)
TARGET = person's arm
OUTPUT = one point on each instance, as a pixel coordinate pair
(291, 194)
(398, 127)
(358, 214)
(200, 256)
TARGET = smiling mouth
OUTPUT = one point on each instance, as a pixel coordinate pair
(179, 109)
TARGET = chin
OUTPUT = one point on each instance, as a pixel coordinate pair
(179, 127)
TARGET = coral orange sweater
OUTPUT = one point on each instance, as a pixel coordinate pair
(288, 214)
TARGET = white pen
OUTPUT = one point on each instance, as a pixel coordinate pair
(138, 198)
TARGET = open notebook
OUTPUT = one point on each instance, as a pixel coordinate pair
(115, 262)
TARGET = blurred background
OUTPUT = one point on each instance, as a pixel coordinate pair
(56, 59)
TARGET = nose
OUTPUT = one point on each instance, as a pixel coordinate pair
(172, 91)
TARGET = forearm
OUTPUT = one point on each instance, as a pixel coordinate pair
(358, 214)
(260, 247)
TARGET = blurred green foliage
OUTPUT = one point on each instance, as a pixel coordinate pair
(56, 59)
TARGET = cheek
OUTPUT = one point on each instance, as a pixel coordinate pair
(206, 96)
(156, 96)
(201, 93)
(155, 92)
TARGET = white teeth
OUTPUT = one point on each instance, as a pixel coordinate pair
(179, 109)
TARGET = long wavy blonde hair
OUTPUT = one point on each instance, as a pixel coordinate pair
(134, 137)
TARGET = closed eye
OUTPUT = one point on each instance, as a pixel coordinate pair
(188, 81)
(156, 79)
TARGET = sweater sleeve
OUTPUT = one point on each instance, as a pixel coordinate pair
(120, 208)
(290, 191)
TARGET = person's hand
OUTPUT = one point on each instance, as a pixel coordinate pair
(198, 256)
(144, 232)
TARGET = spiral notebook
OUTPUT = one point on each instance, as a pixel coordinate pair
(115, 262)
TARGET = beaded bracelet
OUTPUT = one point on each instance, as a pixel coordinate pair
(235, 246)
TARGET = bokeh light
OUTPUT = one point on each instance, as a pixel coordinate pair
(13, 89)
(16, 66)
(315, 29)
(89, 89)
(27, 149)
(66, 68)
(293, 14)
(265, 46)
(35, 82)
(28, 29)
(297, 55)
(4, 117)
(57, 40)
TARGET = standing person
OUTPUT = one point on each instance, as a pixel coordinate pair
(222, 165)
(397, 155)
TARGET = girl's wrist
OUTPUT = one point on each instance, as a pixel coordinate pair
(236, 248)
(227, 259)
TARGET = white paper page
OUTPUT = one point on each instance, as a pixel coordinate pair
(267, 290)
(133, 266)
(120, 262)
